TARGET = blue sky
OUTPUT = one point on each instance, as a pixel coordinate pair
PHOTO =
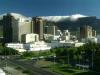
(51, 7)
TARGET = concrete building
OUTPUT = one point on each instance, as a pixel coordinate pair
(69, 43)
(93, 40)
(85, 32)
(66, 35)
(53, 33)
(51, 29)
(29, 38)
(38, 27)
(17, 46)
(59, 35)
(10, 29)
(39, 46)
(24, 27)
(14, 27)
(36, 46)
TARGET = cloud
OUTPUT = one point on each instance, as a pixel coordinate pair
(60, 18)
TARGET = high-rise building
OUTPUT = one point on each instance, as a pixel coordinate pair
(10, 29)
(85, 32)
(24, 27)
(38, 27)
(51, 28)
(14, 28)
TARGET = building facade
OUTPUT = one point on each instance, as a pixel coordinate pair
(29, 38)
(14, 28)
(24, 27)
(86, 32)
(38, 27)
(10, 29)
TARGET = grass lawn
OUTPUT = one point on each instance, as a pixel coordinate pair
(64, 69)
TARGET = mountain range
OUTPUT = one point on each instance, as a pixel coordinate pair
(62, 18)
(65, 22)
(74, 21)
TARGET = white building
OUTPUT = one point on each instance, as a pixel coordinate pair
(69, 43)
(41, 45)
(18, 46)
(29, 38)
(93, 39)
(36, 46)
(32, 43)
(66, 35)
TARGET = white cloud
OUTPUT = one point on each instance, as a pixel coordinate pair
(59, 18)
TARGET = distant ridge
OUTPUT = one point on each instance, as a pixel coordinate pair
(49, 18)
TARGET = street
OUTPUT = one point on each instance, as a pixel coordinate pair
(30, 66)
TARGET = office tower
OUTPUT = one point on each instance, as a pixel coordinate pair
(14, 26)
(24, 27)
(86, 32)
(38, 27)
(51, 28)
(10, 29)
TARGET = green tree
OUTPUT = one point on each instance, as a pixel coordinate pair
(28, 54)
(7, 51)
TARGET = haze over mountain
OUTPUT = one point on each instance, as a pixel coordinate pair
(81, 21)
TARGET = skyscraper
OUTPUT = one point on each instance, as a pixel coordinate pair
(38, 27)
(14, 26)
(9, 33)
(85, 32)
(24, 27)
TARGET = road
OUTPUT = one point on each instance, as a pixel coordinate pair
(30, 65)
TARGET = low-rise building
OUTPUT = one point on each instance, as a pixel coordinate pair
(93, 40)
(36, 46)
(18, 46)
(29, 38)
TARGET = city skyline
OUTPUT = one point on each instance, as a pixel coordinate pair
(51, 7)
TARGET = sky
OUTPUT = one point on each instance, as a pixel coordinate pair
(51, 7)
